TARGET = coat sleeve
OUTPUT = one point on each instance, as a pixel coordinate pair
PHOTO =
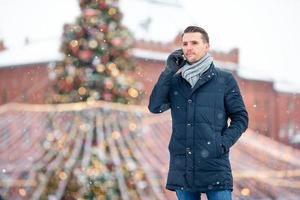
(236, 111)
(159, 98)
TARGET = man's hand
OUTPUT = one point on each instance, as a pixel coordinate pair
(175, 61)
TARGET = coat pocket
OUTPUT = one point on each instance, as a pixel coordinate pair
(219, 149)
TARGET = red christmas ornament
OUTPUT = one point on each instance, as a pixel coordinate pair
(102, 6)
(65, 86)
(105, 58)
(103, 28)
(74, 49)
(85, 55)
(90, 12)
(116, 42)
(107, 96)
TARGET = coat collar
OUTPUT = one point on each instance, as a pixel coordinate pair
(185, 88)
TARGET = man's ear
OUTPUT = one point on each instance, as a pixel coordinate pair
(207, 46)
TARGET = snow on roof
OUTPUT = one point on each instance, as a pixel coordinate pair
(288, 87)
(253, 74)
(226, 65)
(279, 85)
(149, 54)
(36, 52)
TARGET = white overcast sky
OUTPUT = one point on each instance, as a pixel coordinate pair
(267, 32)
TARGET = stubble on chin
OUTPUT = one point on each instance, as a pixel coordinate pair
(191, 61)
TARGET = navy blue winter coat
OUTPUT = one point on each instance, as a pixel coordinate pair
(201, 136)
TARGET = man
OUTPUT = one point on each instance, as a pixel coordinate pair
(202, 98)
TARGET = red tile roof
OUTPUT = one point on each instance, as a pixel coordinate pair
(46, 150)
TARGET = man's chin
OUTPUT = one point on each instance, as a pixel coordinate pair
(191, 61)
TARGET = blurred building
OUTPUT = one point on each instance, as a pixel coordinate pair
(25, 76)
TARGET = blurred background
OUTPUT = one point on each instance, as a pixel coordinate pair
(75, 80)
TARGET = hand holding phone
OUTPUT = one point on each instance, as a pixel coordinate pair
(180, 59)
(175, 61)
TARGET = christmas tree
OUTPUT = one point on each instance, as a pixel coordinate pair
(97, 57)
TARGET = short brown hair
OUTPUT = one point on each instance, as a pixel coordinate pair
(195, 29)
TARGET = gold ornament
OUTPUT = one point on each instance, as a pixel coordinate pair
(133, 92)
(74, 43)
(139, 175)
(82, 91)
(93, 20)
(115, 72)
(112, 66)
(116, 135)
(50, 137)
(112, 11)
(93, 44)
(132, 126)
(62, 175)
(100, 68)
(22, 192)
(245, 191)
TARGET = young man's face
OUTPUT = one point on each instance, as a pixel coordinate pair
(194, 47)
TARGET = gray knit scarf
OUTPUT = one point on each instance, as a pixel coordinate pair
(192, 72)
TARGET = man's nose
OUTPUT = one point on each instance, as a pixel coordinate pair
(188, 46)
